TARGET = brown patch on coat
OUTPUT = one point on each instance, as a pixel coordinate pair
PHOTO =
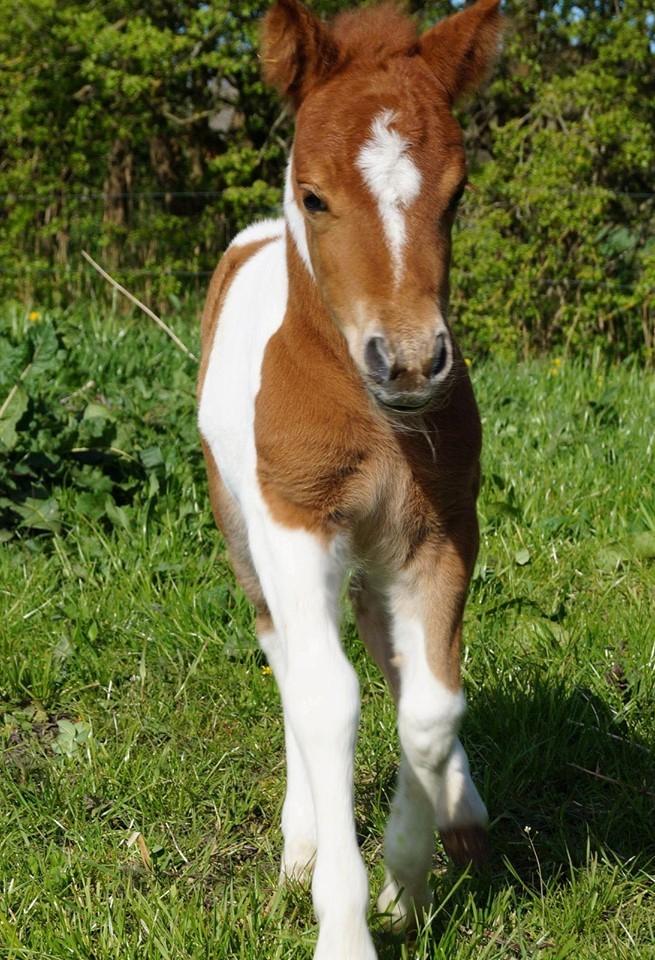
(462, 49)
(297, 51)
(373, 35)
(348, 244)
(319, 442)
(443, 571)
(374, 628)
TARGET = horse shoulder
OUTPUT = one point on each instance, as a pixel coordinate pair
(242, 249)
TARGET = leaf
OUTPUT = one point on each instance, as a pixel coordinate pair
(71, 737)
(240, 647)
(39, 514)
(98, 411)
(497, 509)
(554, 525)
(46, 348)
(97, 429)
(638, 546)
(618, 241)
(117, 514)
(522, 557)
(151, 458)
(91, 504)
(63, 649)
(14, 410)
(643, 544)
(612, 557)
(40, 715)
(143, 850)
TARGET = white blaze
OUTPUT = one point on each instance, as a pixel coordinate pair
(393, 179)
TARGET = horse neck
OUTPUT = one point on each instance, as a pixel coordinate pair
(307, 316)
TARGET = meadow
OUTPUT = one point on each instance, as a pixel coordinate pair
(141, 745)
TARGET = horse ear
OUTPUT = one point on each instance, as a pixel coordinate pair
(297, 51)
(461, 49)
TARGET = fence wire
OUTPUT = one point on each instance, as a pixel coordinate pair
(49, 250)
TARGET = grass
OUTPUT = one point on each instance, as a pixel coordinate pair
(141, 764)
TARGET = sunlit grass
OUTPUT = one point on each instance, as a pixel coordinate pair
(158, 837)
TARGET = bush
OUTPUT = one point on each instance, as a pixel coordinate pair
(84, 430)
(149, 139)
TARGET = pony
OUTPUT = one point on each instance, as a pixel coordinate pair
(342, 438)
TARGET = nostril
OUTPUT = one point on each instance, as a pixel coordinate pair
(377, 359)
(440, 357)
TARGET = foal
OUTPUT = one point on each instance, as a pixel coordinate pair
(340, 432)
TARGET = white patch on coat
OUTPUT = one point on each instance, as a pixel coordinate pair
(262, 230)
(253, 309)
(393, 178)
(295, 220)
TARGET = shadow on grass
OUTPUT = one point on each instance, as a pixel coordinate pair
(563, 781)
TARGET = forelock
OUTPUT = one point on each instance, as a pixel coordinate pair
(374, 34)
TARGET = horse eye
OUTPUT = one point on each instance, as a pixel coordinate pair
(313, 203)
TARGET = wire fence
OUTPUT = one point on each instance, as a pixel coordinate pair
(91, 195)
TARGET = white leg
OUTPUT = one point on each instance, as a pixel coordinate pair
(298, 821)
(428, 718)
(461, 814)
(408, 848)
(434, 786)
(301, 578)
(459, 804)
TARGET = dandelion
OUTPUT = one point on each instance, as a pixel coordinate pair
(555, 366)
(468, 361)
(266, 671)
(34, 316)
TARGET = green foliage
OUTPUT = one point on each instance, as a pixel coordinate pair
(557, 244)
(145, 135)
(82, 427)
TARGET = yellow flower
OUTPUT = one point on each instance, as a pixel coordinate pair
(468, 361)
(266, 671)
(34, 316)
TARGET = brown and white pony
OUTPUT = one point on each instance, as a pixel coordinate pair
(341, 434)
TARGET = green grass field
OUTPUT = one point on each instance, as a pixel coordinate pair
(141, 746)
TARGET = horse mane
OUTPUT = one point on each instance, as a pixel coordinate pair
(374, 34)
